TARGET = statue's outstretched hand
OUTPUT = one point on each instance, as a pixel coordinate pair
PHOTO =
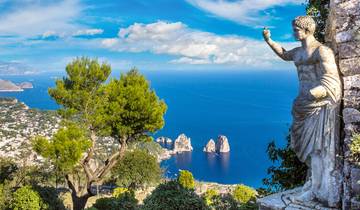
(266, 34)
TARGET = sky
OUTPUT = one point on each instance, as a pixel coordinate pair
(147, 34)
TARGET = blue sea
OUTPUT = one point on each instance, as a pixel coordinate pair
(250, 107)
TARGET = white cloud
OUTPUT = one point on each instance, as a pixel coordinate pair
(49, 34)
(33, 18)
(192, 46)
(245, 12)
(88, 32)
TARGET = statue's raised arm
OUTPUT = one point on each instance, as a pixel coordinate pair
(277, 48)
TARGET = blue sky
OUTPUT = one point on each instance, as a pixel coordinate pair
(148, 34)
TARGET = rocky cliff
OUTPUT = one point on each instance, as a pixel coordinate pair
(222, 144)
(210, 146)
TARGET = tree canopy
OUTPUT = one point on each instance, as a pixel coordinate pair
(186, 179)
(65, 148)
(137, 169)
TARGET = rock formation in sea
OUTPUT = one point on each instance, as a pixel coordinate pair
(182, 144)
(163, 139)
(222, 144)
(25, 85)
(210, 146)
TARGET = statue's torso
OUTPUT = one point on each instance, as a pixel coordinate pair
(309, 72)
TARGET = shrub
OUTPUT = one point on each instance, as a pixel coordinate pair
(173, 196)
(49, 197)
(287, 172)
(25, 198)
(8, 168)
(186, 179)
(119, 191)
(106, 204)
(221, 202)
(3, 197)
(209, 195)
(137, 169)
(126, 201)
(355, 149)
(244, 194)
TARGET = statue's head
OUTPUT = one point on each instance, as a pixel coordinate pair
(303, 27)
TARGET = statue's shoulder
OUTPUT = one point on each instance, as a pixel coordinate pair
(324, 51)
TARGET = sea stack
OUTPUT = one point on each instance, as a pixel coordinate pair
(163, 139)
(182, 144)
(210, 146)
(222, 144)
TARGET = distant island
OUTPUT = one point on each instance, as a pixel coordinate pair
(8, 86)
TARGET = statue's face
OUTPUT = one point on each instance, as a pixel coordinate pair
(300, 34)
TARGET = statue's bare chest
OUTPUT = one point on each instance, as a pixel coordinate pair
(307, 64)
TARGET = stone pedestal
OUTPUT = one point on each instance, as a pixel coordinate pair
(283, 201)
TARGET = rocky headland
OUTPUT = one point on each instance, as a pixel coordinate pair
(221, 145)
(8, 86)
(26, 85)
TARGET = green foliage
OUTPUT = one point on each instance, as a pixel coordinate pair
(319, 10)
(150, 147)
(137, 169)
(172, 196)
(355, 149)
(106, 204)
(132, 110)
(244, 194)
(5, 196)
(8, 168)
(209, 195)
(220, 202)
(126, 201)
(25, 198)
(79, 92)
(49, 197)
(65, 148)
(186, 179)
(288, 172)
(119, 191)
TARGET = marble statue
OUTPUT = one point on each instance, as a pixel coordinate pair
(315, 128)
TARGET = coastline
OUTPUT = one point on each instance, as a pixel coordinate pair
(12, 90)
